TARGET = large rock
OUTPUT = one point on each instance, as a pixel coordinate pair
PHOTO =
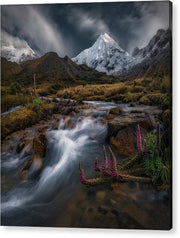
(116, 111)
(126, 139)
(123, 121)
(25, 143)
(33, 166)
(39, 144)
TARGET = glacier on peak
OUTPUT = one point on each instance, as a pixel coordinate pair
(105, 55)
(15, 49)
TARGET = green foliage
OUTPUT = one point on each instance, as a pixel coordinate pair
(128, 97)
(37, 103)
(156, 167)
(15, 87)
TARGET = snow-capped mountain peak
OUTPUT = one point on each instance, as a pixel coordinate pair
(15, 49)
(108, 40)
(105, 55)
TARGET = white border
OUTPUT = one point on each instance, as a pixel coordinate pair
(27, 232)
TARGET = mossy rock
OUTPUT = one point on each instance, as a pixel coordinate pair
(152, 99)
(17, 120)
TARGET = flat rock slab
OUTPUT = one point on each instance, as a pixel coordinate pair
(123, 121)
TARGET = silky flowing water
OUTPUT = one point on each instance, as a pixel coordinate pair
(57, 198)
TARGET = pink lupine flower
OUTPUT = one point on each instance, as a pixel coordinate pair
(95, 165)
(114, 174)
(105, 165)
(113, 165)
(139, 140)
(145, 148)
(81, 175)
(35, 85)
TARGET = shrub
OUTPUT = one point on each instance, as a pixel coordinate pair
(15, 87)
(154, 166)
(128, 97)
(36, 103)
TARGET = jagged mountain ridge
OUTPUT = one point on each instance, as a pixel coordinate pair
(156, 56)
(105, 56)
(49, 67)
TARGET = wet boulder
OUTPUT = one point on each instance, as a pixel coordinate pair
(33, 166)
(39, 144)
(25, 143)
(123, 121)
(109, 116)
(126, 139)
(116, 111)
(20, 147)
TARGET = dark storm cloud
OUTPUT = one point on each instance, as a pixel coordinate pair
(70, 28)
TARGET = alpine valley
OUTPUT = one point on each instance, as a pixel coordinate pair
(86, 142)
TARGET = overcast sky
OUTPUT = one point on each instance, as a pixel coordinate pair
(70, 28)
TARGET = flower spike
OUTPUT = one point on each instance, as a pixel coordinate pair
(113, 166)
(95, 165)
(145, 147)
(139, 139)
(105, 165)
(81, 176)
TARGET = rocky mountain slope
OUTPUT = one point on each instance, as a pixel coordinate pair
(50, 68)
(156, 56)
(105, 56)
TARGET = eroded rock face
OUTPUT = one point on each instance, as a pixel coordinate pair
(25, 143)
(39, 144)
(125, 140)
(35, 163)
(119, 123)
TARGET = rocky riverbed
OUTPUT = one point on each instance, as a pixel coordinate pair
(40, 177)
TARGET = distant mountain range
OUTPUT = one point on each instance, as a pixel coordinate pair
(107, 56)
(104, 57)
(49, 68)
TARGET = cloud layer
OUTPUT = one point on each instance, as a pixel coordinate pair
(28, 22)
(70, 28)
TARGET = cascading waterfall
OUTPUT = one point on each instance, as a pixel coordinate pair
(67, 146)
